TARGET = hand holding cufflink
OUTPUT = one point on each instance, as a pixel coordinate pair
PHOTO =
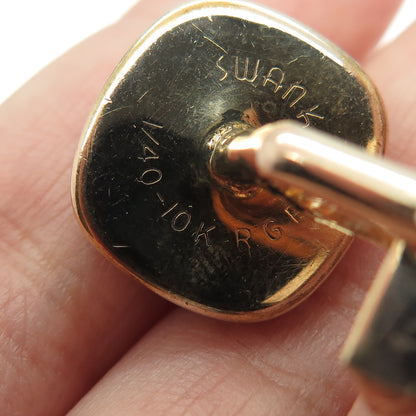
(268, 229)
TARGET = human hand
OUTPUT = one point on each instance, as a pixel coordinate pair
(68, 318)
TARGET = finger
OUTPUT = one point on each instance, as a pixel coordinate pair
(398, 90)
(354, 26)
(191, 365)
(384, 408)
(360, 409)
(57, 289)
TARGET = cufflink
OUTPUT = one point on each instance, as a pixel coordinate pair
(228, 162)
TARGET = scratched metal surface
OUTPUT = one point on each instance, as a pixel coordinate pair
(143, 188)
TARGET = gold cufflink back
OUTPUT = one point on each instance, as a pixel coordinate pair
(228, 162)
(152, 196)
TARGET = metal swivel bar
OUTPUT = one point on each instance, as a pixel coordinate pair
(373, 198)
(337, 181)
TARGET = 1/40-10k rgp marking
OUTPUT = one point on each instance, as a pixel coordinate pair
(180, 219)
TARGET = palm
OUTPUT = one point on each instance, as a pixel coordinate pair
(67, 316)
